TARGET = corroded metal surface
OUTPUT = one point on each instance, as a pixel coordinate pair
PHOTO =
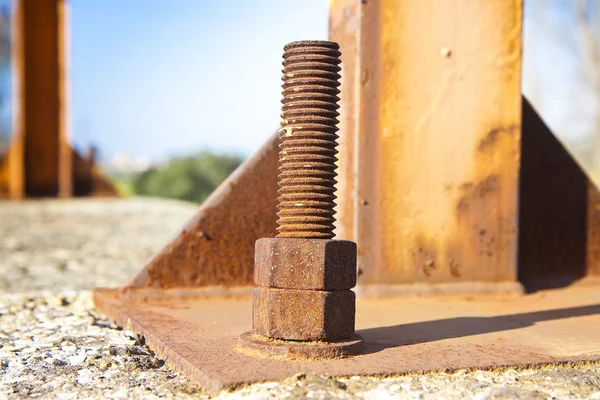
(200, 337)
(308, 264)
(437, 157)
(308, 139)
(307, 315)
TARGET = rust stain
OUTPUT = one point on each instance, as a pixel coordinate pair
(476, 243)
(454, 260)
(486, 243)
(491, 139)
(474, 195)
(486, 210)
(454, 268)
(424, 257)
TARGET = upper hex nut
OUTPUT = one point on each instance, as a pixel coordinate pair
(309, 264)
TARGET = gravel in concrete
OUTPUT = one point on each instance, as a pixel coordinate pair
(55, 345)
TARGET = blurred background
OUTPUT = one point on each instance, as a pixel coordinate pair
(174, 94)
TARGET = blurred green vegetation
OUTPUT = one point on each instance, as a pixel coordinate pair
(123, 182)
(4, 142)
(191, 178)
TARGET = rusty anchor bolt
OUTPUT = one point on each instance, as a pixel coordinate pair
(304, 305)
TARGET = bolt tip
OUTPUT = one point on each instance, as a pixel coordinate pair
(312, 43)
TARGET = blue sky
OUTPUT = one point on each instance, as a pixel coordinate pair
(152, 78)
(554, 78)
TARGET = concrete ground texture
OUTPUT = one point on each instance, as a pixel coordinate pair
(55, 344)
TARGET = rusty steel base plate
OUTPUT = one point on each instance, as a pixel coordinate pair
(200, 336)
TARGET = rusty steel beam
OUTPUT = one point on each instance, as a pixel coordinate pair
(435, 185)
(436, 119)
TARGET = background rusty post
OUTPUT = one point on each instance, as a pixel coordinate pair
(40, 161)
(304, 276)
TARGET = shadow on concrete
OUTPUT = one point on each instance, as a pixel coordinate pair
(378, 339)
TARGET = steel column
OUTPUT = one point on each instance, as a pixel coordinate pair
(433, 144)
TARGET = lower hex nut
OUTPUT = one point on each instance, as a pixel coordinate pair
(308, 315)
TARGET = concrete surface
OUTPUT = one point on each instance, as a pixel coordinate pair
(54, 344)
(82, 243)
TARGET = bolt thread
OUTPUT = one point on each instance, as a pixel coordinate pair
(308, 137)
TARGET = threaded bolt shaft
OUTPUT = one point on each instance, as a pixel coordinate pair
(308, 137)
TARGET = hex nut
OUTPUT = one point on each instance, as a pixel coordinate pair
(309, 264)
(308, 315)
